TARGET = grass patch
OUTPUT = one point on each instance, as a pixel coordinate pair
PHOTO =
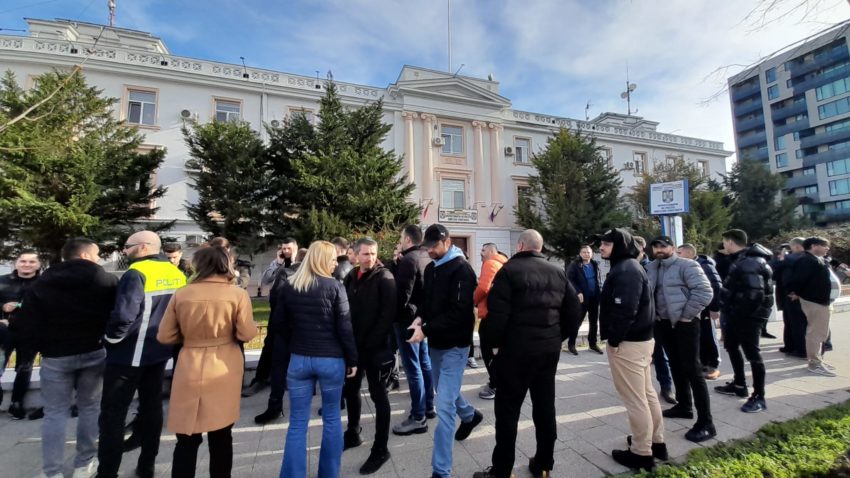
(261, 311)
(814, 445)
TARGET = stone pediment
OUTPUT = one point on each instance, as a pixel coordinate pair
(450, 88)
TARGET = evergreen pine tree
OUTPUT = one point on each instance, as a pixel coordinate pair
(758, 206)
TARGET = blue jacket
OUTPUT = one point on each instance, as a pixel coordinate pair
(140, 302)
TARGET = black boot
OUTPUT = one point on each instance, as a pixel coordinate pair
(659, 450)
(271, 414)
(351, 439)
(633, 461)
(375, 461)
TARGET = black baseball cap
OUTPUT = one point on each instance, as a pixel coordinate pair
(609, 236)
(663, 240)
(433, 234)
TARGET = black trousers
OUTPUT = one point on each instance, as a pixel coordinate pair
(120, 383)
(682, 346)
(221, 454)
(517, 376)
(486, 353)
(24, 360)
(795, 323)
(590, 308)
(264, 364)
(744, 333)
(279, 366)
(377, 371)
(709, 353)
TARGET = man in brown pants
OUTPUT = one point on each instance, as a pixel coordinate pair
(626, 318)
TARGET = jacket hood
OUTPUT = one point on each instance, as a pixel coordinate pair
(706, 259)
(72, 274)
(452, 253)
(625, 246)
(499, 258)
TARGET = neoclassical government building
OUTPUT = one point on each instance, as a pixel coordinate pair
(464, 146)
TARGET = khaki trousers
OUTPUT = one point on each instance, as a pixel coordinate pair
(633, 380)
(817, 329)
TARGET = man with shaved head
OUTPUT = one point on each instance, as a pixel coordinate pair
(135, 360)
(531, 309)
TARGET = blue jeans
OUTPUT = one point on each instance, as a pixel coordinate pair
(417, 367)
(59, 377)
(662, 367)
(448, 370)
(301, 381)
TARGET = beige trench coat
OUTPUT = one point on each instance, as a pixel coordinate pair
(207, 317)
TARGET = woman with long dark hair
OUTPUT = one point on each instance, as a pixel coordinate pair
(209, 317)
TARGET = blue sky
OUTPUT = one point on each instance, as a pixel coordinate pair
(550, 56)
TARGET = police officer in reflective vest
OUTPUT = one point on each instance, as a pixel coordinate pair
(135, 360)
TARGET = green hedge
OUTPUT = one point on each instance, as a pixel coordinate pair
(806, 447)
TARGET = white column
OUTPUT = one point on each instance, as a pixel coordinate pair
(409, 158)
(479, 163)
(495, 163)
(428, 161)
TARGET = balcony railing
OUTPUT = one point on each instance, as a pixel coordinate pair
(746, 108)
(746, 91)
(825, 138)
(749, 124)
(832, 57)
(801, 181)
(791, 128)
(821, 79)
(790, 110)
(825, 157)
(751, 140)
(833, 215)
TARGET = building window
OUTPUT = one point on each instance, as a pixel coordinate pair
(810, 190)
(839, 187)
(640, 163)
(796, 135)
(834, 108)
(141, 107)
(809, 171)
(523, 192)
(837, 125)
(782, 160)
(841, 166)
(770, 75)
(845, 204)
(773, 92)
(779, 142)
(841, 145)
(608, 154)
(453, 193)
(307, 114)
(522, 148)
(703, 168)
(228, 110)
(452, 139)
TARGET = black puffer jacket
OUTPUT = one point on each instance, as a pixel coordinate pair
(315, 322)
(447, 309)
(531, 307)
(67, 308)
(410, 283)
(709, 268)
(372, 299)
(626, 308)
(343, 267)
(810, 279)
(748, 289)
(12, 289)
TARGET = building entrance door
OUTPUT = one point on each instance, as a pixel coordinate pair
(462, 243)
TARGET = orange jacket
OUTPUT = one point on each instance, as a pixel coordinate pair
(488, 273)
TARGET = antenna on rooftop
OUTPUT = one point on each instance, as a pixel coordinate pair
(111, 5)
(627, 95)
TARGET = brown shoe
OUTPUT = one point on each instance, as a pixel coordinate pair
(712, 374)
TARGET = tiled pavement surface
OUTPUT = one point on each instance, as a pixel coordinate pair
(591, 422)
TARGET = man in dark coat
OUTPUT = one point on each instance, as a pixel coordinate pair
(793, 318)
(709, 348)
(583, 274)
(626, 317)
(447, 318)
(747, 301)
(531, 309)
(372, 297)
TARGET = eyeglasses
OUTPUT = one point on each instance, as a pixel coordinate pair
(130, 246)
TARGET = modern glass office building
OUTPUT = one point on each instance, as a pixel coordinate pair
(792, 113)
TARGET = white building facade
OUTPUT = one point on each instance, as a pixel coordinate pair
(464, 146)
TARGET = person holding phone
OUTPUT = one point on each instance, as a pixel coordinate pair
(314, 319)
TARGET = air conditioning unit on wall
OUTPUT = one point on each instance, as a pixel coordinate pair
(509, 151)
(439, 141)
(629, 166)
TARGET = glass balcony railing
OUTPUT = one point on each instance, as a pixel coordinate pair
(825, 138)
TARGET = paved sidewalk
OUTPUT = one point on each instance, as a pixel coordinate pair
(591, 422)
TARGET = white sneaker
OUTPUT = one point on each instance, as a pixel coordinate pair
(471, 362)
(827, 366)
(821, 370)
(86, 471)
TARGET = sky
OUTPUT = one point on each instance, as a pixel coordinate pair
(549, 56)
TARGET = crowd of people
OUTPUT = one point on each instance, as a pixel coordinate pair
(340, 314)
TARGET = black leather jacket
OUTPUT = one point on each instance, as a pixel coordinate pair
(748, 288)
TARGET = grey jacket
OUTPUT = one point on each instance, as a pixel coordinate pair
(680, 287)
